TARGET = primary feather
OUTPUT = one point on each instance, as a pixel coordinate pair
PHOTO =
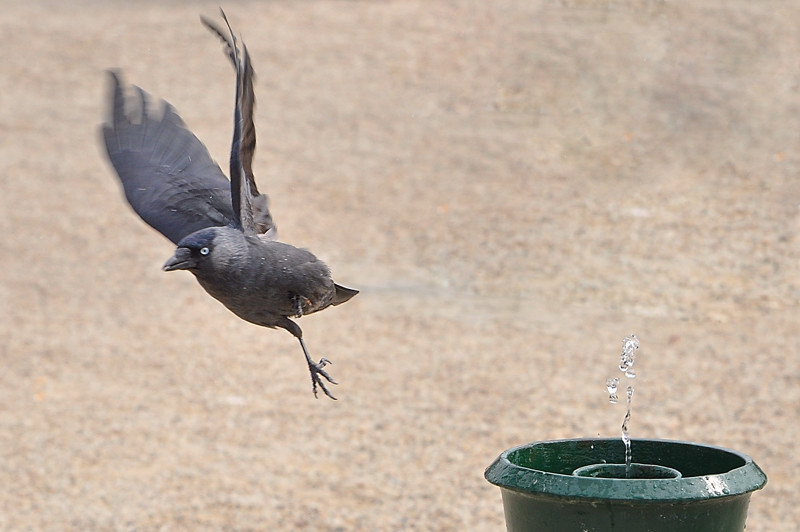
(167, 174)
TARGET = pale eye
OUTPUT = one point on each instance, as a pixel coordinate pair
(205, 251)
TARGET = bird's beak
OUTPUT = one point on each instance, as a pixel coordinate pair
(181, 260)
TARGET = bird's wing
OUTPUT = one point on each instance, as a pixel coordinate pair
(251, 204)
(168, 176)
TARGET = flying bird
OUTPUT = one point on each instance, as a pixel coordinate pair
(224, 232)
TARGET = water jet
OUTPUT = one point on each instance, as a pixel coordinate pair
(624, 484)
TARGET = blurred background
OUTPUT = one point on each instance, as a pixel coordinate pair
(514, 186)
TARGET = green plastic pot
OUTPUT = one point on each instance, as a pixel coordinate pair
(675, 486)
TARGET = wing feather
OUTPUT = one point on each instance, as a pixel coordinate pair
(167, 174)
(245, 107)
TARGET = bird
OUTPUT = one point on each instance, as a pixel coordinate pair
(223, 229)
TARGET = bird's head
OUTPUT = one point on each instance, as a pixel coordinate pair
(194, 251)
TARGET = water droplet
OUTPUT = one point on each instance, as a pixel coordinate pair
(611, 385)
(630, 344)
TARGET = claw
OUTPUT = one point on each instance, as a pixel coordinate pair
(316, 370)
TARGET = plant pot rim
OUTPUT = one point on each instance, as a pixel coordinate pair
(742, 478)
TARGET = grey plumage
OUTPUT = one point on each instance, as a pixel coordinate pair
(223, 229)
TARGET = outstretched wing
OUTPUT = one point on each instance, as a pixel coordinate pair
(168, 175)
(251, 204)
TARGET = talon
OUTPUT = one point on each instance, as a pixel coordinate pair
(317, 371)
(315, 368)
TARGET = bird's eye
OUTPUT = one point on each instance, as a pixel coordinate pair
(205, 251)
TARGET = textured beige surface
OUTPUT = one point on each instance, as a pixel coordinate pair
(513, 185)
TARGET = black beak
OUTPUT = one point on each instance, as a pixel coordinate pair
(181, 260)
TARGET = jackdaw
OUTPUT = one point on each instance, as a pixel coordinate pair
(223, 229)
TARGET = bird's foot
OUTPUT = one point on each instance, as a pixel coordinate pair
(316, 369)
(316, 372)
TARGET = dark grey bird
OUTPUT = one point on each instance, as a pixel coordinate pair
(223, 229)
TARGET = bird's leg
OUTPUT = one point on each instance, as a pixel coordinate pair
(316, 371)
(315, 368)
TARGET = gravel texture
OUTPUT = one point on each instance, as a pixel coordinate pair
(514, 186)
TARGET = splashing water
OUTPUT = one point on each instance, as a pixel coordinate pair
(611, 385)
(629, 346)
(626, 439)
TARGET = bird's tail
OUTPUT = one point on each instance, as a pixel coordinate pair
(342, 294)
